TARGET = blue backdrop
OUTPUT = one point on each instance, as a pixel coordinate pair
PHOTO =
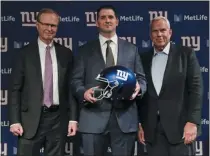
(189, 21)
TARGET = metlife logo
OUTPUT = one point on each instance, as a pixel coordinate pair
(4, 123)
(7, 18)
(204, 121)
(29, 19)
(6, 71)
(181, 18)
(131, 18)
(91, 18)
(19, 44)
(65, 41)
(146, 44)
(204, 69)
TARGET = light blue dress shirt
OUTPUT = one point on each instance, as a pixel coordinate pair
(159, 62)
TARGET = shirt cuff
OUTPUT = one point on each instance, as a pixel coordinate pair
(14, 124)
(71, 121)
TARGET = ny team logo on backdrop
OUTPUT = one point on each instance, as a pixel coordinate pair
(4, 44)
(29, 18)
(69, 149)
(86, 18)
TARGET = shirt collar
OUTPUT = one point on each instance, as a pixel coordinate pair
(103, 39)
(165, 50)
(44, 45)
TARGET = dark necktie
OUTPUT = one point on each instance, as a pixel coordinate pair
(48, 79)
(109, 55)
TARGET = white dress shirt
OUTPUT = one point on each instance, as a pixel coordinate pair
(42, 52)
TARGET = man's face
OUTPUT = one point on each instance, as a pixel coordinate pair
(47, 26)
(160, 34)
(107, 21)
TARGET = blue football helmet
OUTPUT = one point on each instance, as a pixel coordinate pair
(115, 82)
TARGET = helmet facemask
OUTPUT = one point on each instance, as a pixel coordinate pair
(105, 90)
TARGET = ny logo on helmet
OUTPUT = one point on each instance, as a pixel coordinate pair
(122, 75)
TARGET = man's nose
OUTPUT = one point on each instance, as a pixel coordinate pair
(159, 33)
(107, 20)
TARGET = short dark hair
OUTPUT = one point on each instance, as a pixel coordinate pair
(43, 11)
(107, 7)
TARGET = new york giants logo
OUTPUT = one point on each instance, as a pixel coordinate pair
(4, 44)
(191, 41)
(4, 97)
(199, 148)
(129, 39)
(154, 14)
(28, 18)
(122, 75)
(3, 149)
(91, 18)
(67, 42)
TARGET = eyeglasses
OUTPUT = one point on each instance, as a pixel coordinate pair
(48, 24)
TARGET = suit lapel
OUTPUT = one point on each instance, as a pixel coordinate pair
(59, 59)
(168, 70)
(97, 52)
(121, 52)
(37, 64)
(149, 73)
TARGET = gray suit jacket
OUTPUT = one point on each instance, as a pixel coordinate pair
(88, 64)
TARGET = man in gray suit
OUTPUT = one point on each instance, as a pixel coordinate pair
(100, 121)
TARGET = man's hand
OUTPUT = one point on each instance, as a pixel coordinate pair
(72, 128)
(190, 132)
(137, 89)
(141, 135)
(16, 129)
(89, 96)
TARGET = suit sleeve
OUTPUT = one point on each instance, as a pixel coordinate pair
(77, 83)
(140, 75)
(15, 89)
(194, 88)
(72, 102)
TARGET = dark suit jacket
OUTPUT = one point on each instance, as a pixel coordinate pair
(180, 97)
(87, 65)
(26, 89)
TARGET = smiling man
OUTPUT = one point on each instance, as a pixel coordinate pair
(41, 108)
(106, 120)
(170, 111)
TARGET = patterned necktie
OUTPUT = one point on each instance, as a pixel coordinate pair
(109, 55)
(48, 79)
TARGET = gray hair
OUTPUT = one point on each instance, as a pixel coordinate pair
(160, 18)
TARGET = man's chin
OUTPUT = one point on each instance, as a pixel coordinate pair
(107, 31)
